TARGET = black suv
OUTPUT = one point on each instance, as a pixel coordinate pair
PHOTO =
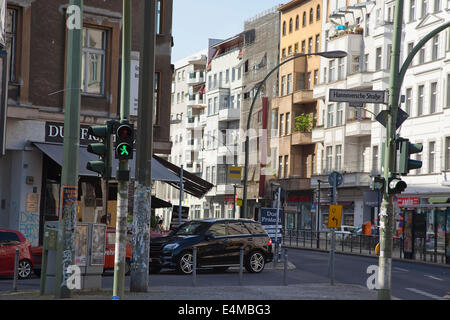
(218, 245)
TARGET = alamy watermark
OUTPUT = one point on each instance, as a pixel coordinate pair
(372, 280)
(73, 21)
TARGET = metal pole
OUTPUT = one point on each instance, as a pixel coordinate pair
(194, 267)
(122, 194)
(16, 265)
(241, 264)
(181, 196)
(285, 267)
(234, 204)
(144, 151)
(69, 176)
(386, 214)
(318, 216)
(276, 229)
(333, 239)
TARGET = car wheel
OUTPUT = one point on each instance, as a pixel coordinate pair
(154, 269)
(184, 263)
(24, 269)
(255, 262)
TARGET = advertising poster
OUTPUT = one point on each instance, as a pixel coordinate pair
(408, 239)
(98, 244)
(81, 238)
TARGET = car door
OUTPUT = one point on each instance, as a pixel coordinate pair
(9, 241)
(238, 236)
(212, 251)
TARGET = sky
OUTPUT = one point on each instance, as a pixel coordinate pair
(195, 21)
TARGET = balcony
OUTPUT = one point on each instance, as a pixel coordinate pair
(350, 179)
(229, 114)
(196, 100)
(358, 128)
(318, 134)
(301, 138)
(349, 41)
(303, 96)
(223, 189)
(196, 78)
(295, 183)
(359, 80)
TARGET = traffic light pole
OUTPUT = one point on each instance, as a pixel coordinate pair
(69, 176)
(387, 211)
(122, 189)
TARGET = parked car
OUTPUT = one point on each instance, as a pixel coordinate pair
(343, 233)
(218, 243)
(10, 240)
(110, 251)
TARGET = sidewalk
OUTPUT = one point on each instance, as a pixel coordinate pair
(316, 291)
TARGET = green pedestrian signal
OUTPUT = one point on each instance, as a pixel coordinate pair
(124, 141)
(404, 151)
(102, 166)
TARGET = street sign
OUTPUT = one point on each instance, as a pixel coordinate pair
(357, 97)
(335, 216)
(235, 172)
(335, 177)
(269, 222)
(383, 115)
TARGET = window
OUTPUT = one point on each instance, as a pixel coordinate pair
(437, 5)
(215, 81)
(308, 81)
(207, 170)
(408, 102)
(410, 47)
(239, 73)
(435, 51)
(448, 90)
(424, 8)
(290, 25)
(420, 100)
(159, 19)
(378, 59)
(318, 13)
(338, 160)
(389, 56)
(283, 53)
(288, 123)
(431, 157)
(227, 76)
(341, 68)
(286, 167)
(284, 28)
(332, 67)
(412, 10)
(303, 46)
(433, 97)
(215, 105)
(233, 74)
(213, 175)
(311, 16)
(310, 45)
(281, 125)
(93, 61)
(9, 238)
(11, 41)
(419, 158)
(304, 19)
(283, 85)
(447, 153)
(296, 48)
(297, 22)
(340, 114)
(289, 83)
(238, 100)
(316, 77)
(330, 115)
(317, 42)
(280, 166)
(289, 50)
(329, 159)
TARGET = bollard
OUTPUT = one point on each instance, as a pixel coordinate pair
(285, 267)
(16, 265)
(241, 264)
(194, 267)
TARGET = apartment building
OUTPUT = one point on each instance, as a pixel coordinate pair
(221, 132)
(187, 122)
(295, 109)
(260, 56)
(30, 170)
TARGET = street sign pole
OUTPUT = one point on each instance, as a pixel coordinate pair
(333, 238)
(276, 229)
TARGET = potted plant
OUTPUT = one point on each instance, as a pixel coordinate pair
(304, 122)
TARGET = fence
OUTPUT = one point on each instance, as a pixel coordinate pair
(356, 243)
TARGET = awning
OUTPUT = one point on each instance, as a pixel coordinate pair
(159, 203)
(192, 184)
(55, 152)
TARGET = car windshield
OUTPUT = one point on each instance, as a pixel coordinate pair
(191, 228)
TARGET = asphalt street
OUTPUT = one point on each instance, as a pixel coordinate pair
(410, 281)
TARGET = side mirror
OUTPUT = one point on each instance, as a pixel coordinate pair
(209, 236)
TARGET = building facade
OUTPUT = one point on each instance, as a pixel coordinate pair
(30, 171)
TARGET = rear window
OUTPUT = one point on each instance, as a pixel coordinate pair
(255, 228)
(9, 238)
(237, 228)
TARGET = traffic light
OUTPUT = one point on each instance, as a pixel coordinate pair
(396, 185)
(124, 141)
(405, 150)
(102, 149)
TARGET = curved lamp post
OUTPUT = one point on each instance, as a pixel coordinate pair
(326, 54)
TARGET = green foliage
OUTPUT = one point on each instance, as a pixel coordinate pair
(304, 122)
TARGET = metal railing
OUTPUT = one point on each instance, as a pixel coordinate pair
(358, 244)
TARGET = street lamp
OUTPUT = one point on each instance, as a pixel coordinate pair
(327, 54)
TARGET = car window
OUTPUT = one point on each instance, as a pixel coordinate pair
(254, 228)
(191, 228)
(218, 229)
(9, 238)
(236, 228)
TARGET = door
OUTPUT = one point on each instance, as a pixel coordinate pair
(239, 236)
(212, 251)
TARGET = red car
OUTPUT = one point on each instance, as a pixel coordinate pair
(10, 240)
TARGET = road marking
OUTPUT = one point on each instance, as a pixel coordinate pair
(400, 269)
(426, 294)
(435, 278)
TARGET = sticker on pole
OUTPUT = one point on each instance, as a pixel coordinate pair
(335, 216)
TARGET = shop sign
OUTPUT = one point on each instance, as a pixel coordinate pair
(407, 201)
(54, 132)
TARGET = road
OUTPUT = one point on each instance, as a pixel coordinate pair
(410, 281)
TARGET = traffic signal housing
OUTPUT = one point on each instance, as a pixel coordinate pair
(405, 150)
(124, 141)
(396, 185)
(102, 166)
